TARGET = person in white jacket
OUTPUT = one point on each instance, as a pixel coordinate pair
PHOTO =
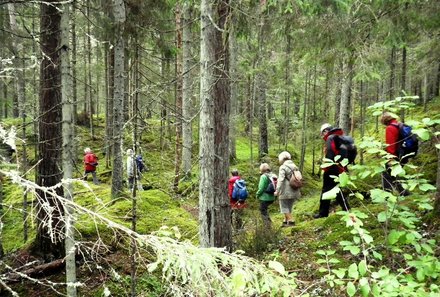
(286, 194)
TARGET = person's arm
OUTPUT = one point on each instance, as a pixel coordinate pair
(281, 177)
(262, 185)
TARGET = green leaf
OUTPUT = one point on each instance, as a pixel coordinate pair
(277, 266)
(422, 133)
(397, 170)
(362, 268)
(334, 261)
(394, 236)
(377, 255)
(437, 146)
(382, 216)
(353, 271)
(354, 250)
(359, 196)
(340, 273)
(343, 179)
(321, 252)
(427, 248)
(351, 289)
(365, 290)
(426, 187)
(367, 238)
(330, 194)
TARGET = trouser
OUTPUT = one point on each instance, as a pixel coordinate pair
(130, 182)
(390, 183)
(328, 184)
(264, 206)
(95, 178)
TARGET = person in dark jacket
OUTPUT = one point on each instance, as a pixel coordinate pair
(389, 182)
(330, 136)
(266, 199)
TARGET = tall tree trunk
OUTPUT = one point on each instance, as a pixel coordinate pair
(437, 194)
(344, 107)
(187, 101)
(304, 122)
(68, 153)
(234, 89)
(118, 97)
(178, 95)
(215, 212)
(49, 240)
(19, 64)
(287, 79)
(260, 84)
(73, 66)
(392, 73)
(403, 82)
(88, 78)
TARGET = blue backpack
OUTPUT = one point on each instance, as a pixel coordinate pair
(408, 144)
(140, 163)
(239, 192)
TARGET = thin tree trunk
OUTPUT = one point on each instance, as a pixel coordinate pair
(134, 111)
(392, 73)
(403, 82)
(178, 95)
(68, 154)
(118, 97)
(263, 146)
(187, 92)
(19, 64)
(234, 90)
(304, 122)
(88, 78)
(215, 213)
(73, 66)
(287, 80)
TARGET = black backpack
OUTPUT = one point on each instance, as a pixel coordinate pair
(408, 144)
(347, 148)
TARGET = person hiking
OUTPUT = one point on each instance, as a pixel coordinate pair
(390, 182)
(236, 204)
(90, 164)
(265, 198)
(330, 136)
(130, 168)
(285, 193)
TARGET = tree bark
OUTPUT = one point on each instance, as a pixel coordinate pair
(263, 145)
(68, 153)
(233, 70)
(187, 101)
(118, 97)
(178, 95)
(344, 107)
(215, 213)
(49, 241)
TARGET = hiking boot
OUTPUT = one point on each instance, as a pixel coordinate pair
(317, 216)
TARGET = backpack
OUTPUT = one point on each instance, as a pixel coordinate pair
(239, 192)
(296, 180)
(347, 148)
(140, 163)
(272, 186)
(408, 144)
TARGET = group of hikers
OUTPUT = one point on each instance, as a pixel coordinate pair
(135, 166)
(287, 185)
(336, 148)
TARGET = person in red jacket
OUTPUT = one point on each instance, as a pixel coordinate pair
(236, 206)
(329, 135)
(90, 164)
(389, 182)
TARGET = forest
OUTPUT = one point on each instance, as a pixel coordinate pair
(169, 104)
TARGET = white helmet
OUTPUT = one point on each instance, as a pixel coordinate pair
(325, 126)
